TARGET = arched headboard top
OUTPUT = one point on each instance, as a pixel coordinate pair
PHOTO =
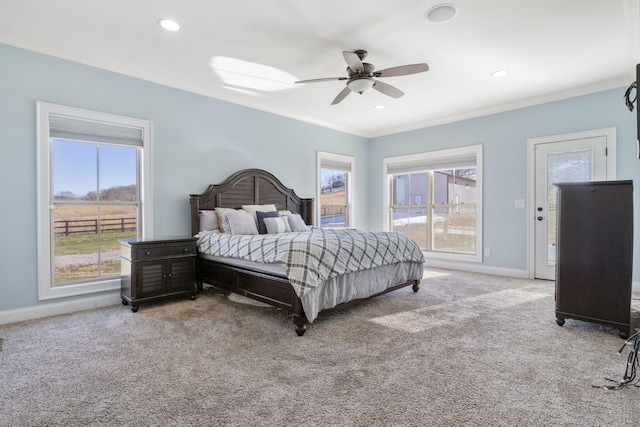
(249, 187)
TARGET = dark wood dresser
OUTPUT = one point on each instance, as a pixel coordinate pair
(595, 253)
(157, 268)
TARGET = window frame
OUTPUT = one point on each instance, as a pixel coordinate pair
(329, 158)
(441, 157)
(45, 204)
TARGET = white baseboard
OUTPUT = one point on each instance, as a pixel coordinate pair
(54, 309)
(480, 268)
(476, 268)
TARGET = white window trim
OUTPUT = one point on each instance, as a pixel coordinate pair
(453, 152)
(321, 155)
(43, 163)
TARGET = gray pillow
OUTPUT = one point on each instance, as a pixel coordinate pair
(242, 222)
(296, 223)
(262, 229)
(208, 220)
(277, 225)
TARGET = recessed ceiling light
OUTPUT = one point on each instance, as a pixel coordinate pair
(441, 13)
(378, 107)
(169, 25)
(500, 73)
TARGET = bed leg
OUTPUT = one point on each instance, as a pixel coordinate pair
(301, 325)
(416, 286)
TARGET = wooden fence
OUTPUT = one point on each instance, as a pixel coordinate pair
(66, 227)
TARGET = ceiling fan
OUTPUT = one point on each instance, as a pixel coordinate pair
(362, 77)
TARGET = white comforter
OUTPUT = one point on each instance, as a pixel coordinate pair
(310, 258)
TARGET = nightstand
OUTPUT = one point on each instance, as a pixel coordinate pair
(157, 268)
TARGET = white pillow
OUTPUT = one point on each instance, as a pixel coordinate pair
(277, 225)
(296, 223)
(208, 220)
(241, 222)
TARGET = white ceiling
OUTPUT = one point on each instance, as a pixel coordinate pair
(237, 50)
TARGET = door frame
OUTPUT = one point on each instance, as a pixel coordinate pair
(608, 133)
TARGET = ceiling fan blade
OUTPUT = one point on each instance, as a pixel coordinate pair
(387, 89)
(353, 61)
(402, 70)
(342, 95)
(324, 79)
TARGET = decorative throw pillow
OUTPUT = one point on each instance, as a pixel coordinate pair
(262, 229)
(241, 222)
(208, 220)
(296, 223)
(277, 225)
(252, 209)
(223, 219)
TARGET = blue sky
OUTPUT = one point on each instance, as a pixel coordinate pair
(75, 166)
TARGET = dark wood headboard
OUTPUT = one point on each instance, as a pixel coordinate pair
(249, 187)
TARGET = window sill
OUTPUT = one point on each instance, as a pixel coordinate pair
(46, 293)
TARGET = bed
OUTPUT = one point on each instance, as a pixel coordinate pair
(273, 282)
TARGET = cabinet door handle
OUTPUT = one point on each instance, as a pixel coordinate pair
(148, 253)
(185, 250)
(540, 218)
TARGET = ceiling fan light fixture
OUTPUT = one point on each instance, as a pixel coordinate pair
(441, 13)
(360, 85)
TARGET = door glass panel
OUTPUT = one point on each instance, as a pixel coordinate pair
(574, 166)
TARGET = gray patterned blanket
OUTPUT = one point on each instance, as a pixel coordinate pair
(311, 258)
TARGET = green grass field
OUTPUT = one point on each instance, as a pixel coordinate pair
(88, 243)
(79, 244)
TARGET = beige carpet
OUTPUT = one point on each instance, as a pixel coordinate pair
(467, 349)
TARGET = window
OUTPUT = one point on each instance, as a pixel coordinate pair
(435, 199)
(334, 190)
(93, 189)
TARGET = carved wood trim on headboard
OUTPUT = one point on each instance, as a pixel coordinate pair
(249, 187)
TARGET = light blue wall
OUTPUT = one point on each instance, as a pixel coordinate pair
(504, 139)
(199, 140)
(196, 141)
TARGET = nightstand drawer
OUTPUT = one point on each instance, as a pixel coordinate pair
(155, 251)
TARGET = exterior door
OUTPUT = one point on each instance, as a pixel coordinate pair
(571, 160)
